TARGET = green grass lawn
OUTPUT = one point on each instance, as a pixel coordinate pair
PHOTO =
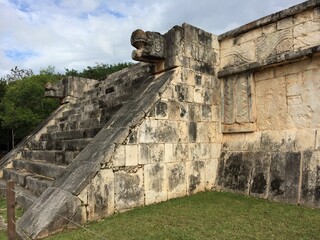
(208, 215)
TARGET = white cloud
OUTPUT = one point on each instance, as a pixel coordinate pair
(79, 33)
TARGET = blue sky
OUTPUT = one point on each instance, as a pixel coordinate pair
(78, 33)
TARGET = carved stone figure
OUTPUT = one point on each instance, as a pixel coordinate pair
(151, 46)
(55, 90)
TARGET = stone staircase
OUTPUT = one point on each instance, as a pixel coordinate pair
(45, 157)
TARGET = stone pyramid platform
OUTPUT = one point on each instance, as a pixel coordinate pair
(237, 112)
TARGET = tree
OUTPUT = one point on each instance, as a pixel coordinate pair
(23, 105)
(4, 132)
(50, 70)
(16, 74)
(99, 71)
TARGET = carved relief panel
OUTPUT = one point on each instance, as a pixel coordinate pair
(237, 104)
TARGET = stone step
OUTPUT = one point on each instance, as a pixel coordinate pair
(75, 145)
(36, 183)
(51, 156)
(68, 113)
(24, 197)
(39, 167)
(67, 135)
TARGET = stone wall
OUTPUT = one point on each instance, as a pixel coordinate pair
(164, 142)
(239, 112)
(271, 108)
(174, 150)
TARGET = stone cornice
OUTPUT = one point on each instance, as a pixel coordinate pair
(271, 61)
(271, 18)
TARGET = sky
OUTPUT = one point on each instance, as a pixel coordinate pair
(74, 34)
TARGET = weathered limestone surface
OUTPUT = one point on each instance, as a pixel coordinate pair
(276, 156)
(163, 143)
(296, 29)
(237, 112)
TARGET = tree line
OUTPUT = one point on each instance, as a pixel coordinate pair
(22, 102)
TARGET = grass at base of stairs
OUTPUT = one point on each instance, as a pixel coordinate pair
(3, 215)
(208, 215)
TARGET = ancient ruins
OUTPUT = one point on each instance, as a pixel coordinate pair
(238, 112)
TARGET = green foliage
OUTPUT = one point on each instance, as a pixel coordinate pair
(23, 105)
(99, 71)
(3, 85)
(50, 70)
(16, 74)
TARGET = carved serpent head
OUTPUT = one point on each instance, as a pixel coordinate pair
(150, 46)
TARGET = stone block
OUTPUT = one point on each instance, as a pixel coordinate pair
(181, 93)
(288, 69)
(38, 184)
(239, 54)
(294, 82)
(233, 142)
(147, 130)
(194, 112)
(205, 150)
(216, 113)
(129, 190)
(270, 28)
(44, 216)
(253, 34)
(168, 93)
(173, 110)
(132, 155)
(285, 23)
(151, 153)
(180, 152)
(133, 136)
(305, 139)
(101, 195)
(306, 35)
(211, 173)
(272, 140)
(195, 151)
(39, 167)
(183, 111)
(16, 175)
(264, 74)
(310, 187)
(183, 133)
(286, 45)
(83, 196)
(284, 176)
(76, 177)
(167, 132)
(176, 180)
(303, 17)
(259, 182)
(271, 102)
(252, 141)
(168, 152)
(198, 95)
(206, 113)
(235, 171)
(226, 43)
(161, 110)
(215, 42)
(207, 132)
(155, 183)
(305, 28)
(215, 150)
(196, 174)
